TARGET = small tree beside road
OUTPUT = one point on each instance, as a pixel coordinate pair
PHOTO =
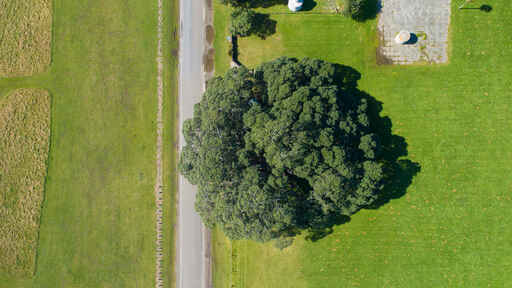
(242, 22)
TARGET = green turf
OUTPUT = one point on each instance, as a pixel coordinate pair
(98, 218)
(250, 264)
(221, 44)
(170, 155)
(452, 228)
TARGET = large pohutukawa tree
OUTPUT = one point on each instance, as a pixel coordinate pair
(284, 147)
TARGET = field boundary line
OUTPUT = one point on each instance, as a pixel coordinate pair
(159, 143)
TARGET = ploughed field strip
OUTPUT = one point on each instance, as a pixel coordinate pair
(25, 37)
(24, 144)
(428, 21)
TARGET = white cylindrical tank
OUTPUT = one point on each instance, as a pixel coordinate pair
(295, 5)
(402, 37)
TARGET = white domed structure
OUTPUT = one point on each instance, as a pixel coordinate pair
(403, 37)
(295, 5)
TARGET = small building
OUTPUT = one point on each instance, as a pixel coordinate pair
(295, 5)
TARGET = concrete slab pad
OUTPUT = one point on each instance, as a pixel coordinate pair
(427, 20)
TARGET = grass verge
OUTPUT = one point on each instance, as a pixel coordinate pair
(24, 144)
(249, 264)
(170, 154)
(25, 37)
(221, 44)
(450, 228)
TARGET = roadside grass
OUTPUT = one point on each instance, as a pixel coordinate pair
(98, 219)
(170, 148)
(451, 228)
(25, 37)
(269, 258)
(221, 44)
(249, 264)
(24, 144)
(222, 262)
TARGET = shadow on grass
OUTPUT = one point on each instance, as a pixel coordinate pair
(233, 52)
(399, 171)
(368, 10)
(484, 8)
(265, 26)
(317, 233)
(308, 5)
(266, 3)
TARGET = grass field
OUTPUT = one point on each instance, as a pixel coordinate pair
(24, 144)
(98, 217)
(25, 37)
(452, 227)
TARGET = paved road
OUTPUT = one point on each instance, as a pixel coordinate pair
(192, 263)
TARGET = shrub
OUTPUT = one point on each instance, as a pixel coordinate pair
(242, 22)
(360, 10)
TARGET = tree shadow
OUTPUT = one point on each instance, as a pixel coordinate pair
(317, 233)
(399, 171)
(233, 52)
(402, 171)
(308, 5)
(484, 8)
(266, 3)
(265, 26)
(347, 77)
(413, 40)
(369, 10)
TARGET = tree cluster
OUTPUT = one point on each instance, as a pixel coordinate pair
(245, 22)
(283, 147)
(360, 10)
(253, 3)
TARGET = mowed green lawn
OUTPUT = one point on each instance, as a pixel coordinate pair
(98, 217)
(453, 226)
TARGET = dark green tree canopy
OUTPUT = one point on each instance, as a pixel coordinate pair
(284, 147)
(242, 22)
(254, 3)
(361, 10)
(236, 3)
